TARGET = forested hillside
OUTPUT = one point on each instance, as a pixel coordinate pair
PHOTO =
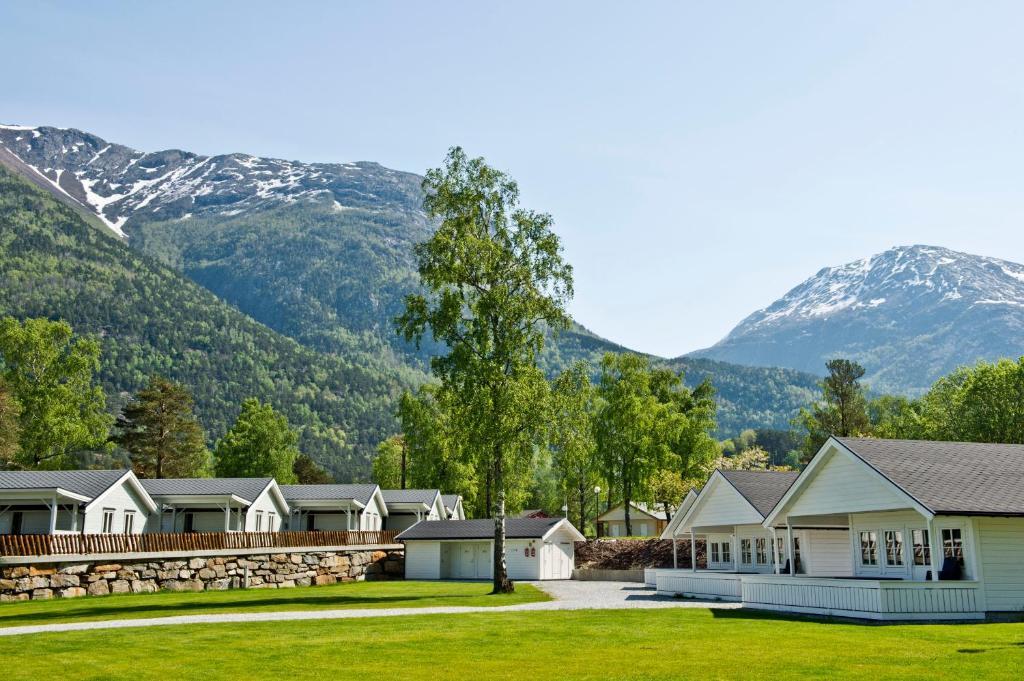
(150, 320)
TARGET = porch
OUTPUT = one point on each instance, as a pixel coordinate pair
(876, 599)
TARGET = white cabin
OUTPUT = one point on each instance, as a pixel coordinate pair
(536, 549)
(406, 507)
(56, 502)
(335, 507)
(218, 504)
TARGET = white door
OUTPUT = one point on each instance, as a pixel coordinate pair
(483, 561)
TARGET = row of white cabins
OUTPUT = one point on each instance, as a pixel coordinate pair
(117, 502)
(877, 529)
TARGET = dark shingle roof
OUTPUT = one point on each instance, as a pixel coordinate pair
(246, 488)
(515, 528)
(449, 500)
(409, 496)
(360, 493)
(87, 483)
(763, 489)
(950, 477)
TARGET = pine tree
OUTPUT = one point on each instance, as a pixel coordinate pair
(162, 434)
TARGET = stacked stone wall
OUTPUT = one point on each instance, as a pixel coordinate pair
(77, 578)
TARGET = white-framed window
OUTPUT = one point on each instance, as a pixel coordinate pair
(726, 552)
(893, 548)
(108, 521)
(953, 544)
(781, 542)
(129, 522)
(271, 516)
(761, 546)
(869, 548)
(922, 547)
(259, 521)
(746, 557)
(715, 555)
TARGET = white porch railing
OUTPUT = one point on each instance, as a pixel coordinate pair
(716, 585)
(868, 598)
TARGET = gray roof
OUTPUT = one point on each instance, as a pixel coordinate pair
(86, 483)
(970, 478)
(360, 493)
(450, 500)
(409, 496)
(246, 488)
(515, 528)
(763, 489)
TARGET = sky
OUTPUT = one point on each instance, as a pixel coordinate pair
(699, 159)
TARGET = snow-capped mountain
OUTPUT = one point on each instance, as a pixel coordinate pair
(119, 184)
(909, 315)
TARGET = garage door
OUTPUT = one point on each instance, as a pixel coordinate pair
(473, 561)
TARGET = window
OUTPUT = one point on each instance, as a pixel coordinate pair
(762, 550)
(270, 521)
(726, 553)
(715, 556)
(108, 521)
(953, 545)
(745, 556)
(129, 522)
(782, 550)
(869, 548)
(259, 521)
(893, 547)
(798, 567)
(922, 549)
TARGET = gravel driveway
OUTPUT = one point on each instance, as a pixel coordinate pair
(567, 595)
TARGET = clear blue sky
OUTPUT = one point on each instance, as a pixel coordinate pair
(700, 159)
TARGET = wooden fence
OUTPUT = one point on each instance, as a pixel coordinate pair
(84, 544)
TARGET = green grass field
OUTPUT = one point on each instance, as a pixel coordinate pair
(397, 594)
(636, 645)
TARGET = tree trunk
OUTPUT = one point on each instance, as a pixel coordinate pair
(502, 584)
(404, 446)
(583, 511)
(627, 494)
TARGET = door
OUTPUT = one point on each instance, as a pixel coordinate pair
(483, 561)
(643, 529)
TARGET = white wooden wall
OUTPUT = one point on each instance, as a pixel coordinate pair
(423, 560)
(1001, 542)
(826, 552)
(121, 498)
(845, 485)
(723, 505)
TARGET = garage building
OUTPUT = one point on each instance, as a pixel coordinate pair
(536, 548)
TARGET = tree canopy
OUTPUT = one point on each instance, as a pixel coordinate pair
(259, 444)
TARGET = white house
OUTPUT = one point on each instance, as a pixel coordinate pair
(728, 514)
(453, 507)
(894, 530)
(406, 507)
(671, 530)
(645, 521)
(536, 548)
(335, 507)
(54, 502)
(218, 504)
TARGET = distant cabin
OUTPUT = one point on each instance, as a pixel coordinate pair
(646, 522)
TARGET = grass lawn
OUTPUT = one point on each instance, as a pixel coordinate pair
(398, 594)
(635, 644)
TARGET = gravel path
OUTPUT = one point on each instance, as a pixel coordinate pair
(567, 595)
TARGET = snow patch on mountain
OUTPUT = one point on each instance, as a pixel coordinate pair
(119, 184)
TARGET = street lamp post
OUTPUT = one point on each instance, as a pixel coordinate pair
(597, 508)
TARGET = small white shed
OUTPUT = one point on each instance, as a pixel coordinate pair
(536, 549)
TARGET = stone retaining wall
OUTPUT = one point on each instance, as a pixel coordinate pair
(76, 578)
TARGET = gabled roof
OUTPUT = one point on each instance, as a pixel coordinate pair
(88, 484)
(450, 500)
(951, 478)
(360, 493)
(515, 528)
(246, 489)
(763, 489)
(410, 496)
(680, 513)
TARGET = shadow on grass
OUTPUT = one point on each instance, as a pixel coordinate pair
(122, 610)
(754, 614)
